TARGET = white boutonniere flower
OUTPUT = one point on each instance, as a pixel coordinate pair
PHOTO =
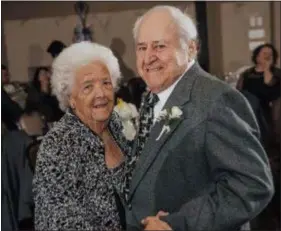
(169, 115)
(128, 114)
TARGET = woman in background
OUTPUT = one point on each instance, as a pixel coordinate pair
(263, 81)
(40, 98)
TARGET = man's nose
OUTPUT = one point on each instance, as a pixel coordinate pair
(150, 56)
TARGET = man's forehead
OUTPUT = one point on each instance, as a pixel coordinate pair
(156, 27)
(156, 35)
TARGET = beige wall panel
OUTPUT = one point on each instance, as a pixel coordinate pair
(235, 26)
(215, 38)
(3, 47)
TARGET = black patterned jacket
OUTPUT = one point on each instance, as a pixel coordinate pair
(72, 186)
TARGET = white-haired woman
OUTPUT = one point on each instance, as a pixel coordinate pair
(82, 157)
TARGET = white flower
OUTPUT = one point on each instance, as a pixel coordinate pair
(176, 112)
(125, 110)
(134, 111)
(129, 130)
(127, 113)
(168, 115)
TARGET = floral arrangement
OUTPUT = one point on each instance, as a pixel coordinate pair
(129, 117)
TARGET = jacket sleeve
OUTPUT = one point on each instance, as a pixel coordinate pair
(242, 181)
(55, 189)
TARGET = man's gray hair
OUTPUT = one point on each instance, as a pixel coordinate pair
(186, 26)
(74, 57)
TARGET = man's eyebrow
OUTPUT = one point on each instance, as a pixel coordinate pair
(141, 44)
(153, 42)
(158, 41)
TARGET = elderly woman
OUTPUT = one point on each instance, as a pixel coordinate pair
(82, 157)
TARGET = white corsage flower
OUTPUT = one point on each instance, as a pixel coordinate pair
(169, 115)
(127, 113)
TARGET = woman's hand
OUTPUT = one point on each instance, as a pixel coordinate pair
(267, 78)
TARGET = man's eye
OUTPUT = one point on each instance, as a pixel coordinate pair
(141, 48)
(160, 46)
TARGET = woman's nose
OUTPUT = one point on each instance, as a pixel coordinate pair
(99, 90)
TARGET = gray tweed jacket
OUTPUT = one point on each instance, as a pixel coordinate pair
(210, 171)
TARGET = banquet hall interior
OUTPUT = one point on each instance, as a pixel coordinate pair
(33, 33)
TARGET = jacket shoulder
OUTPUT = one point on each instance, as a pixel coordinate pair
(210, 87)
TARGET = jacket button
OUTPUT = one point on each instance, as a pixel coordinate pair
(130, 206)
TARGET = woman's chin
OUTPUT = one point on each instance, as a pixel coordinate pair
(100, 115)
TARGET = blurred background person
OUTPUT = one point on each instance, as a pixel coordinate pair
(40, 97)
(11, 111)
(263, 81)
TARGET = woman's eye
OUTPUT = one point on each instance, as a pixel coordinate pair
(107, 83)
(87, 88)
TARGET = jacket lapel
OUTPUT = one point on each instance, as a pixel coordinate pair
(179, 97)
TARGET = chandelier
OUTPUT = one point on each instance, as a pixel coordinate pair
(81, 31)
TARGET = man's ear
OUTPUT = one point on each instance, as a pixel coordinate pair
(192, 49)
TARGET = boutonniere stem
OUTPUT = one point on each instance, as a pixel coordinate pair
(165, 129)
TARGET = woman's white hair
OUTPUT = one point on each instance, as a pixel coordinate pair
(74, 57)
(186, 27)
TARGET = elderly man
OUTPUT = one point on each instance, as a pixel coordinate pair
(200, 165)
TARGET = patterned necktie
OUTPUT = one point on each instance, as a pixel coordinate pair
(146, 121)
(145, 125)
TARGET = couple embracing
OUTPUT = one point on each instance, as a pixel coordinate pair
(196, 162)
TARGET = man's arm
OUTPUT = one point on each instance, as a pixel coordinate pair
(242, 181)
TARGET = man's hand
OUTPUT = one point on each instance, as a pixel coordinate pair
(154, 222)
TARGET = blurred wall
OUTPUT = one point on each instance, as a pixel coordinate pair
(28, 33)
(3, 46)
